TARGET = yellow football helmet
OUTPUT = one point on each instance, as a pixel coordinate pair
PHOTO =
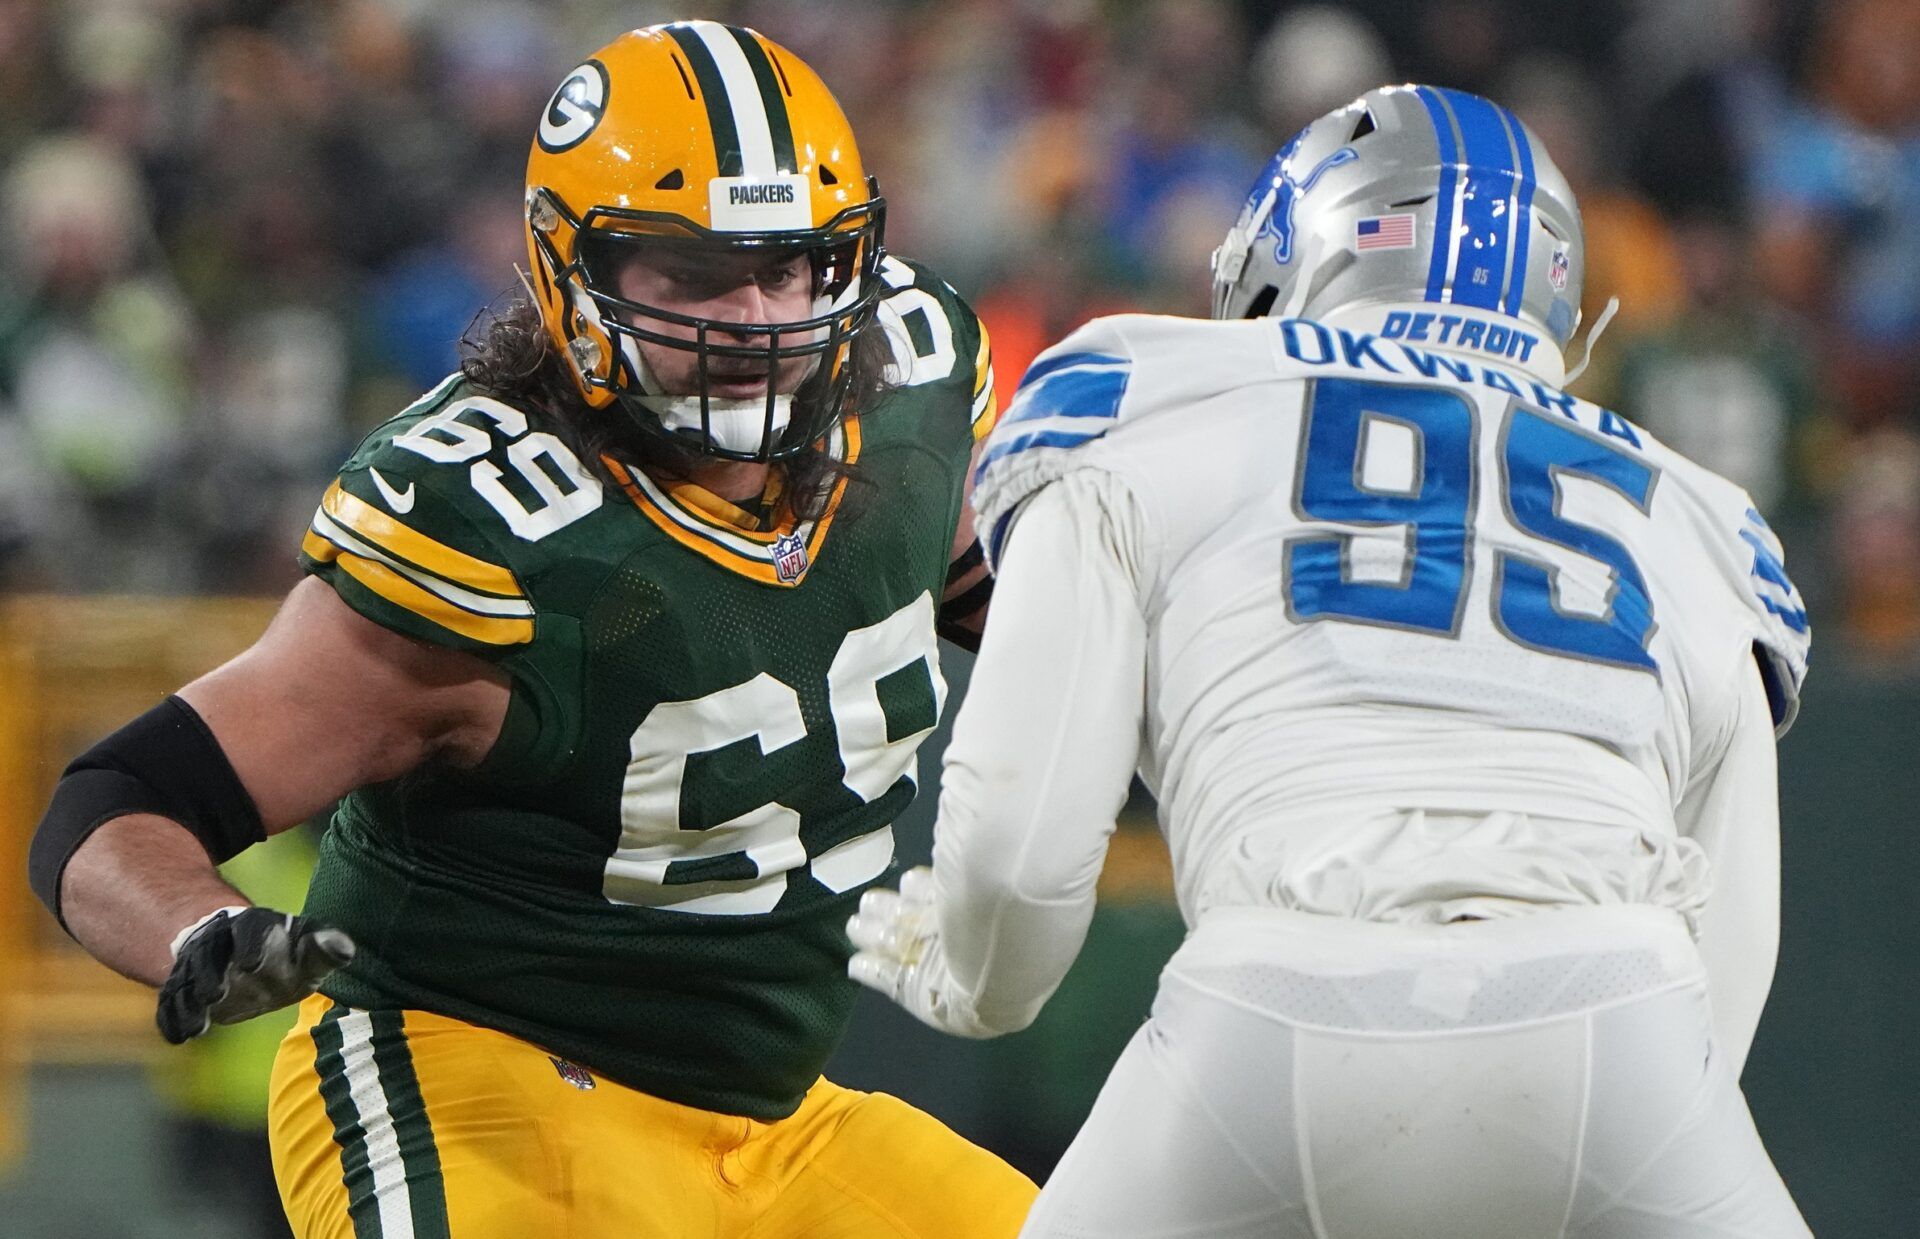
(704, 136)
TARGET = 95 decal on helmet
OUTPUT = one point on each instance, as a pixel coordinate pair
(701, 144)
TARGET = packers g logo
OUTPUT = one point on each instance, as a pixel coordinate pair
(575, 109)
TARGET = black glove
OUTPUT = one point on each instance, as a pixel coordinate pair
(239, 965)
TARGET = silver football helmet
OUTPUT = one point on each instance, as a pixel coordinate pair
(1413, 197)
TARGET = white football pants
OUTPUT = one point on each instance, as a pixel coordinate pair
(1547, 1076)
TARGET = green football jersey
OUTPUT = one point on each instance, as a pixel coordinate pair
(711, 727)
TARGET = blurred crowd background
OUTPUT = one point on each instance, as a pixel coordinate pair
(236, 234)
(240, 232)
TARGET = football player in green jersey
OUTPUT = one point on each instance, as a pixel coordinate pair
(616, 651)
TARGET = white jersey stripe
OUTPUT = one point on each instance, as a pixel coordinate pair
(383, 1143)
(743, 98)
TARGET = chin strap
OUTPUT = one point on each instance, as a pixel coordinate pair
(1593, 337)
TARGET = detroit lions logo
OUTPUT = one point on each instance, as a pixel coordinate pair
(1278, 186)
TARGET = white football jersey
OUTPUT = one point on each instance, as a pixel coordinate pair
(1427, 636)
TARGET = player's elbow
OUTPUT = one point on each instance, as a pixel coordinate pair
(1010, 872)
(998, 1015)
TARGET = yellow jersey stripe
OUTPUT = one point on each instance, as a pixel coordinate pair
(989, 418)
(982, 364)
(388, 584)
(817, 540)
(465, 599)
(985, 394)
(387, 533)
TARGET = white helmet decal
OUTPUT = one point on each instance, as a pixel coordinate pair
(575, 109)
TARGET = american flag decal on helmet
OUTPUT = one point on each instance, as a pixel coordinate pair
(1384, 232)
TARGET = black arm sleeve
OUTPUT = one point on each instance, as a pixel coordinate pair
(955, 612)
(166, 762)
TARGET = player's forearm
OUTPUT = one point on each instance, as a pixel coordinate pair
(1010, 950)
(132, 886)
(1041, 757)
(1734, 815)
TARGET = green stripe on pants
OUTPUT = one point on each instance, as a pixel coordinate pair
(330, 1065)
(418, 1153)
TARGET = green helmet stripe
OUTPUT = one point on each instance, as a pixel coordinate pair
(713, 93)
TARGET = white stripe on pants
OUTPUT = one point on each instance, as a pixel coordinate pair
(376, 1120)
(1547, 1076)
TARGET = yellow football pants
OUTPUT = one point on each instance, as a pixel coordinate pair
(408, 1125)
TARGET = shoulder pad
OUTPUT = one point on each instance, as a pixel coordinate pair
(423, 533)
(1783, 637)
(1070, 396)
(936, 338)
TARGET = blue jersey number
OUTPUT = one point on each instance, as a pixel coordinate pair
(1342, 417)
(1436, 510)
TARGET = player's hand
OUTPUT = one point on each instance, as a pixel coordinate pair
(239, 965)
(896, 940)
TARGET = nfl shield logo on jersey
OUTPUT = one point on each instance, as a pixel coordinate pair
(573, 1073)
(789, 557)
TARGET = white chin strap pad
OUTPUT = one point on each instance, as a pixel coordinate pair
(733, 425)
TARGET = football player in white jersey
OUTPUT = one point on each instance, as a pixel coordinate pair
(1458, 696)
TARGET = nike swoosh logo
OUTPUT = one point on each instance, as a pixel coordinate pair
(401, 501)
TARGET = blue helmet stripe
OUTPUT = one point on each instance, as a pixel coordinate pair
(1442, 200)
(1522, 215)
(1480, 270)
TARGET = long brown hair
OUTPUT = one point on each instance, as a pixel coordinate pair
(507, 354)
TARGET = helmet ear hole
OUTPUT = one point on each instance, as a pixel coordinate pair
(827, 177)
(672, 180)
(1365, 127)
(1262, 302)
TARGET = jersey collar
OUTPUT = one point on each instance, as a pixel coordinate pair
(724, 534)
